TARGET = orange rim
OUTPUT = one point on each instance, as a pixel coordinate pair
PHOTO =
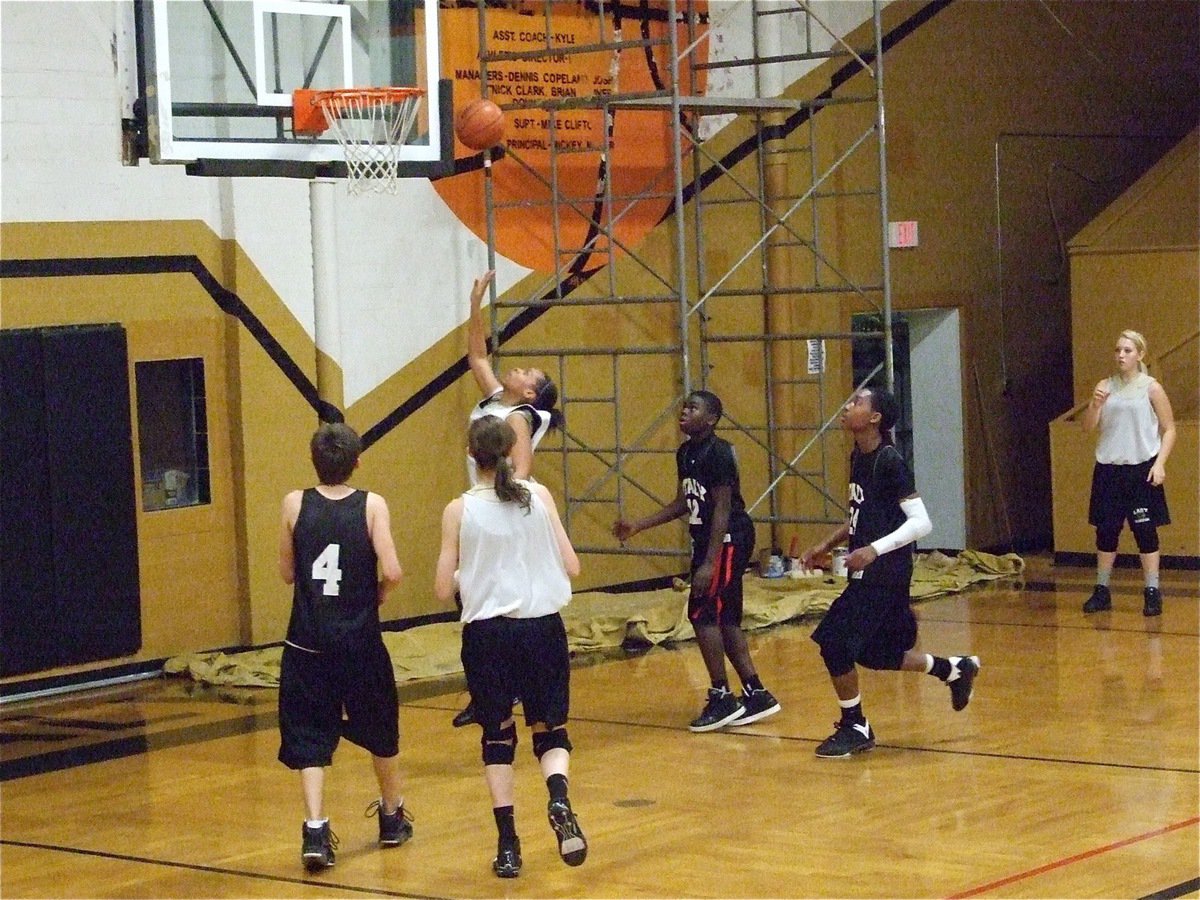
(308, 107)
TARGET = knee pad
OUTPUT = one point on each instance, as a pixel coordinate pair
(837, 660)
(499, 745)
(549, 740)
(1146, 535)
(1106, 537)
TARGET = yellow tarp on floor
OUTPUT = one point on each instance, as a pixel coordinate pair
(601, 621)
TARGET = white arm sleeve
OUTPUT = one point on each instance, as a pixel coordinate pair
(914, 528)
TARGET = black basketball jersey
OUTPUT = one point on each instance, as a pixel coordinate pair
(336, 594)
(702, 467)
(879, 480)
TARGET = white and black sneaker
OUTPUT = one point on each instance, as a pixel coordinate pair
(963, 670)
(507, 863)
(757, 704)
(394, 828)
(317, 846)
(721, 709)
(572, 845)
(848, 739)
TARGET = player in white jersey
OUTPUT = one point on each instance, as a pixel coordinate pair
(1137, 433)
(505, 549)
(525, 398)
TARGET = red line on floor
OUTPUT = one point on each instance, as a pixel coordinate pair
(1058, 864)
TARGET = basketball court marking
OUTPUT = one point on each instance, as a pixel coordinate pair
(248, 874)
(1078, 857)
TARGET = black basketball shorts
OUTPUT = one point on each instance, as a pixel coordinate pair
(1121, 493)
(314, 688)
(505, 658)
(720, 601)
(869, 625)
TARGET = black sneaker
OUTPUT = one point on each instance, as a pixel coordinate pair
(507, 863)
(572, 845)
(394, 828)
(1153, 604)
(757, 705)
(721, 709)
(848, 739)
(464, 717)
(962, 686)
(1100, 600)
(318, 844)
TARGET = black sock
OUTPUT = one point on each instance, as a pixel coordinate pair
(722, 685)
(941, 668)
(853, 715)
(506, 823)
(752, 684)
(557, 785)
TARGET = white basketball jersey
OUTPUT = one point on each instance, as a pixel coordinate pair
(491, 406)
(1128, 424)
(509, 561)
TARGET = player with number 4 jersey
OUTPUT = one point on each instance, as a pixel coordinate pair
(337, 552)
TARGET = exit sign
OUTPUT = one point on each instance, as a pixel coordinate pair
(902, 234)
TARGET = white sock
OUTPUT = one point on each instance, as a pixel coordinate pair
(316, 823)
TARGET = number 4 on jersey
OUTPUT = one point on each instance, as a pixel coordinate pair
(325, 568)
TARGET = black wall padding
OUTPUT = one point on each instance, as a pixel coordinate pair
(29, 606)
(74, 597)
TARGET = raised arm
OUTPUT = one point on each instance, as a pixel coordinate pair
(521, 455)
(379, 526)
(477, 353)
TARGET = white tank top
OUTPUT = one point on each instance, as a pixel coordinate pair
(1128, 424)
(491, 406)
(509, 563)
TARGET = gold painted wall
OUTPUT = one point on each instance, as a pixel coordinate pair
(1137, 265)
(188, 573)
(976, 72)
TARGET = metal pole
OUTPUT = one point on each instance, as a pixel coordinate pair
(327, 326)
(880, 125)
(677, 166)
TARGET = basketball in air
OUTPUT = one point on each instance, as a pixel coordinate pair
(480, 124)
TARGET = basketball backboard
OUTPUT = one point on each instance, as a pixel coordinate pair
(216, 78)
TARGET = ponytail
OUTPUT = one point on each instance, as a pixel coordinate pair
(489, 441)
(544, 400)
(508, 489)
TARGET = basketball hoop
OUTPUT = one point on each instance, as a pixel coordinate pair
(371, 124)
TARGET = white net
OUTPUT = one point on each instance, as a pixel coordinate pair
(371, 126)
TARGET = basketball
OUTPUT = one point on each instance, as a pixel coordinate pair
(480, 124)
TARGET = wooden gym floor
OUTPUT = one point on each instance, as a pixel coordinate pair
(1073, 773)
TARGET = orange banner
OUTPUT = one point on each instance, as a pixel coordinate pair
(639, 146)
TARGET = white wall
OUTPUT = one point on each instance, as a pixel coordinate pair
(405, 263)
(937, 411)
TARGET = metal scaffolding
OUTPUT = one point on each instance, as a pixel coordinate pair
(786, 276)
